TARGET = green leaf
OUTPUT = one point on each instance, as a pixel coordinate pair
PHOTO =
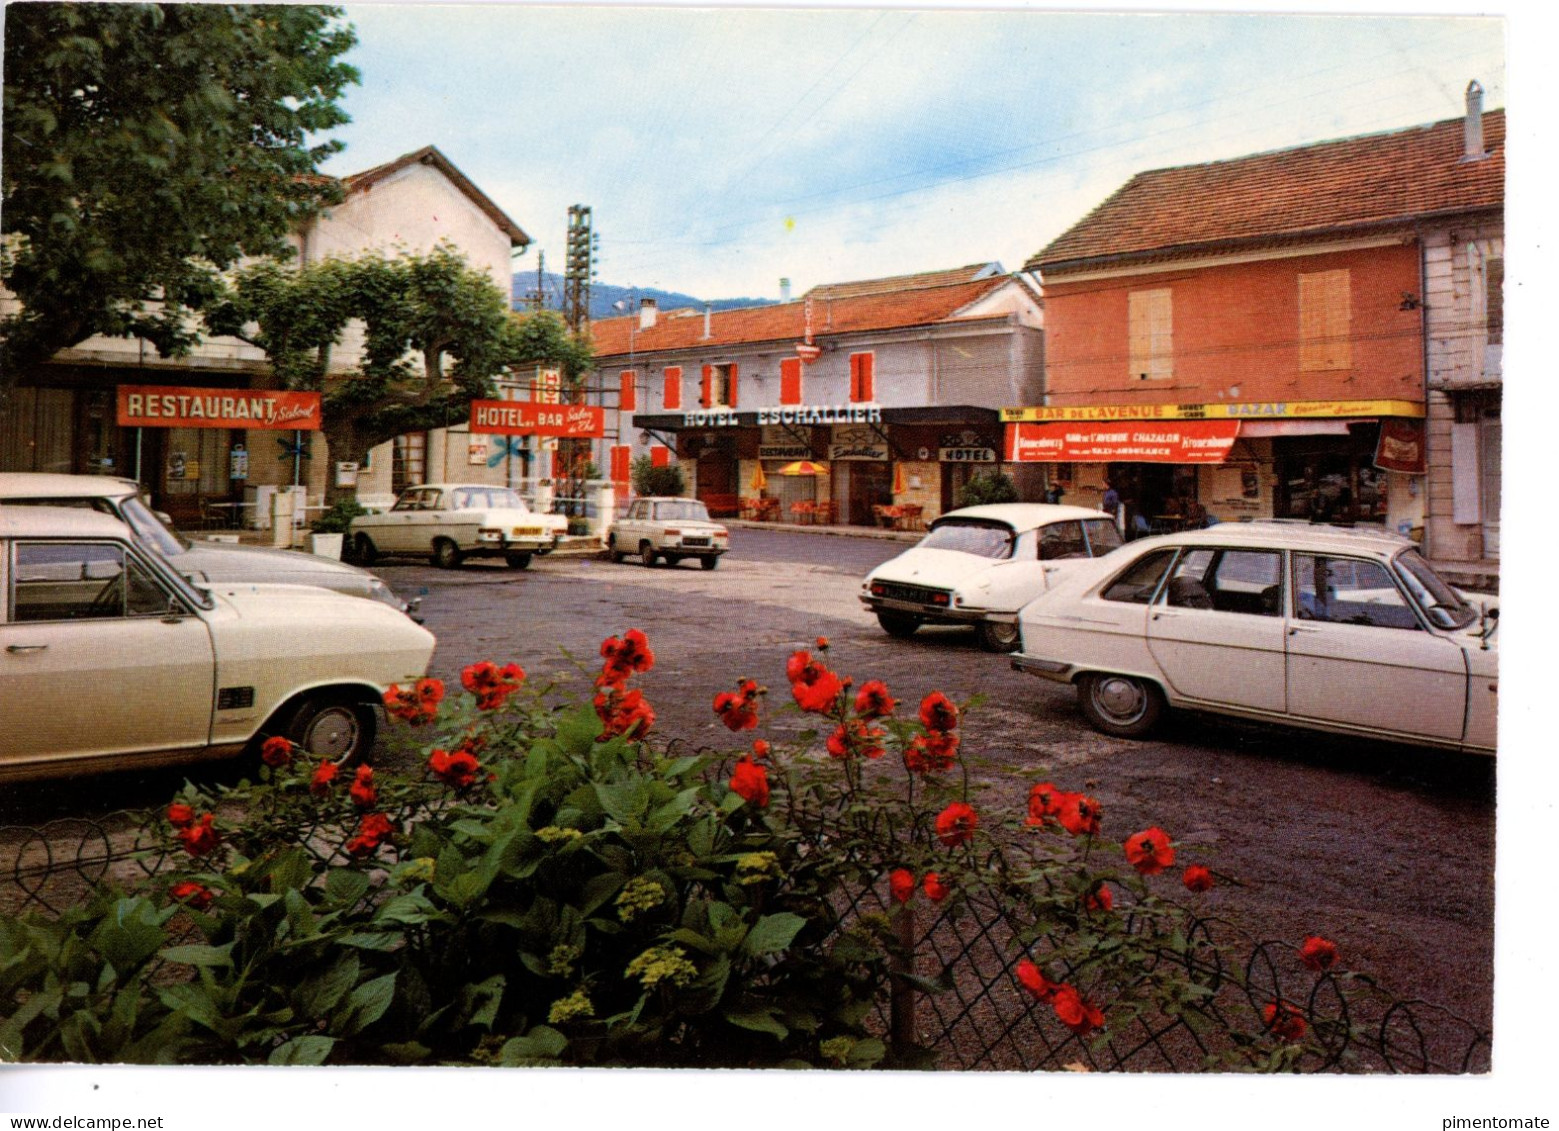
(759, 1021)
(312, 1049)
(130, 934)
(316, 997)
(366, 1005)
(345, 886)
(541, 1045)
(773, 933)
(373, 940)
(199, 955)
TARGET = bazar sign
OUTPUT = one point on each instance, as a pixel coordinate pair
(1195, 441)
(1240, 410)
(159, 406)
(518, 418)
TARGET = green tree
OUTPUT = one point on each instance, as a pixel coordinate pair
(988, 487)
(148, 146)
(651, 480)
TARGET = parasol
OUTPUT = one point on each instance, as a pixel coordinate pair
(759, 480)
(899, 486)
(803, 467)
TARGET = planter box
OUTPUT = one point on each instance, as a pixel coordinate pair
(326, 545)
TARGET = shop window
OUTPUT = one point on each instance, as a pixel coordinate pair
(630, 399)
(863, 377)
(1325, 321)
(790, 380)
(1150, 319)
(671, 395)
(719, 386)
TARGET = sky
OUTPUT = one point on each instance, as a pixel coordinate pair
(721, 149)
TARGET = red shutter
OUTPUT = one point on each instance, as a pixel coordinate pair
(672, 397)
(790, 381)
(630, 397)
(706, 398)
(622, 461)
(732, 402)
(861, 376)
(660, 455)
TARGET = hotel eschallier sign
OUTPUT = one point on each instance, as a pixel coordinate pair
(522, 418)
(179, 406)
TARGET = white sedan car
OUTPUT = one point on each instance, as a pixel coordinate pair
(109, 658)
(669, 529)
(1330, 628)
(980, 565)
(449, 522)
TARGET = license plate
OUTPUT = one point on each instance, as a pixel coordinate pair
(527, 532)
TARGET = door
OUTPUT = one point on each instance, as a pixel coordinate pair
(870, 485)
(92, 661)
(1216, 630)
(1357, 653)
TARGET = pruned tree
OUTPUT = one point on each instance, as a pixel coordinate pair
(149, 146)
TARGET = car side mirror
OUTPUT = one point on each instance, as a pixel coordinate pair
(1442, 617)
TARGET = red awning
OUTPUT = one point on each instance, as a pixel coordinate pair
(1138, 441)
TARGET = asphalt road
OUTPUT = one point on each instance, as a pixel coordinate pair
(1389, 851)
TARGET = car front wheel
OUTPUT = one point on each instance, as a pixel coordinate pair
(899, 625)
(1122, 705)
(711, 562)
(446, 555)
(364, 550)
(517, 559)
(999, 636)
(331, 729)
(647, 555)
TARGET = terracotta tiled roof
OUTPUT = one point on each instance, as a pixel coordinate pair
(1358, 182)
(429, 155)
(785, 322)
(969, 274)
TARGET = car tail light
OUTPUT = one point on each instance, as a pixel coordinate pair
(878, 589)
(721, 532)
(939, 598)
(671, 533)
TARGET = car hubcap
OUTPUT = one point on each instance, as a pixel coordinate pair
(333, 734)
(1120, 699)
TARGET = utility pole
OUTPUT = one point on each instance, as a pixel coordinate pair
(537, 299)
(578, 271)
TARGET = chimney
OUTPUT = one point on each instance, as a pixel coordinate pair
(646, 313)
(784, 290)
(1472, 128)
(708, 315)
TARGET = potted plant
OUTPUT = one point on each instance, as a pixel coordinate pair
(328, 531)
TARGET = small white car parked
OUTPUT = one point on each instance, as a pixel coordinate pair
(109, 658)
(670, 529)
(980, 565)
(1335, 629)
(449, 522)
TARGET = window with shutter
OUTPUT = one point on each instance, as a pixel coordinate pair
(790, 381)
(1151, 348)
(622, 462)
(671, 395)
(1325, 321)
(862, 380)
(630, 398)
(660, 455)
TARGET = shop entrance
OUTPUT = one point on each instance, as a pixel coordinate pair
(867, 484)
(1330, 479)
(717, 479)
(1152, 494)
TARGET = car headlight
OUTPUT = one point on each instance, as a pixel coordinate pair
(379, 591)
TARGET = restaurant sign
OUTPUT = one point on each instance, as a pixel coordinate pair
(520, 418)
(1194, 441)
(784, 451)
(179, 406)
(1237, 410)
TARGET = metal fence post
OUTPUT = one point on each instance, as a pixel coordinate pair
(902, 1034)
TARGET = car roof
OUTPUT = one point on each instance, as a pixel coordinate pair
(1285, 535)
(56, 485)
(667, 499)
(1024, 516)
(60, 522)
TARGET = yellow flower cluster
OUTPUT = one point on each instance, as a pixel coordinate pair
(568, 1008)
(552, 834)
(560, 962)
(662, 964)
(755, 867)
(638, 895)
(837, 1049)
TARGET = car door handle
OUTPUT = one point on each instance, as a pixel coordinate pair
(1296, 629)
(25, 647)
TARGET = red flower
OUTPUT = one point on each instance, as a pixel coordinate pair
(277, 752)
(625, 713)
(191, 894)
(955, 825)
(1284, 1020)
(854, 736)
(372, 831)
(363, 793)
(1318, 953)
(491, 684)
(873, 700)
(1044, 801)
(417, 704)
(901, 885)
(819, 693)
(935, 889)
(458, 768)
(1033, 979)
(937, 712)
(822, 643)
(324, 774)
(799, 665)
(199, 837)
(931, 753)
(624, 658)
(1149, 851)
(1075, 1011)
(1099, 898)
(760, 748)
(1079, 814)
(738, 709)
(750, 782)
(1197, 878)
(180, 814)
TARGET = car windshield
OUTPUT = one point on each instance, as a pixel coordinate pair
(983, 539)
(1432, 591)
(487, 498)
(150, 529)
(682, 510)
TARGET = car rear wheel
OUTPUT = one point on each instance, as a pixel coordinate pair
(446, 555)
(1122, 705)
(900, 625)
(331, 729)
(711, 562)
(999, 636)
(364, 550)
(647, 555)
(617, 555)
(518, 559)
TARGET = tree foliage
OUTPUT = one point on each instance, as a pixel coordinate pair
(147, 146)
(988, 487)
(648, 479)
